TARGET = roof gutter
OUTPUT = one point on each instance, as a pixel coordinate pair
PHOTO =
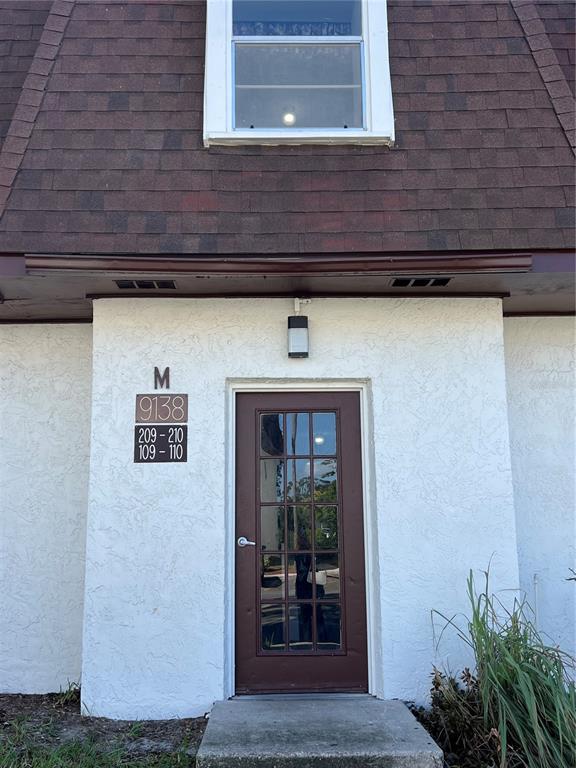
(305, 264)
(12, 265)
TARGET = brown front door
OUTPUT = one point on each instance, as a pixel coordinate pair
(300, 588)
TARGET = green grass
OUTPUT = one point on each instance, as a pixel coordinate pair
(85, 755)
(37, 741)
(19, 749)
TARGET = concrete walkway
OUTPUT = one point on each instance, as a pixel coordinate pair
(330, 731)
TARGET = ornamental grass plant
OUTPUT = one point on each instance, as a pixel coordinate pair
(518, 707)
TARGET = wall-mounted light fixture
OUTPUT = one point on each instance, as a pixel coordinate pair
(298, 331)
(298, 336)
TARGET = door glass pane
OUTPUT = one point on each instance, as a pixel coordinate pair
(271, 480)
(297, 434)
(272, 527)
(298, 86)
(327, 577)
(299, 536)
(272, 577)
(298, 481)
(300, 577)
(328, 626)
(300, 527)
(326, 527)
(272, 627)
(324, 430)
(297, 17)
(300, 623)
(271, 434)
(325, 480)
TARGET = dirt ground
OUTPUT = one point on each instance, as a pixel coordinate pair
(52, 720)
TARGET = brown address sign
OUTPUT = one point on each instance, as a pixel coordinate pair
(161, 409)
(161, 432)
(160, 443)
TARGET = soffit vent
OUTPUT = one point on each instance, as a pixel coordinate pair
(146, 285)
(420, 282)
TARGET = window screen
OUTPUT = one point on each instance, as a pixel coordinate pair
(297, 64)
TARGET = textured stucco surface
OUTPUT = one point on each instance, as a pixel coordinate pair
(45, 381)
(541, 389)
(156, 573)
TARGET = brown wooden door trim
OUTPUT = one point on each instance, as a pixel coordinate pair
(266, 671)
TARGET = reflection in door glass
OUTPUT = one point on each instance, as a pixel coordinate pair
(324, 431)
(326, 527)
(272, 527)
(300, 619)
(297, 434)
(300, 577)
(300, 527)
(328, 626)
(325, 480)
(298, 534)
(271, 480)
(298, 480)
(272, 577)
(327, 577)
(271, 434)
(272, 624)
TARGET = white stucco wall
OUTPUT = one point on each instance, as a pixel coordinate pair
(541, 391)
(45, 381)
(155, 627)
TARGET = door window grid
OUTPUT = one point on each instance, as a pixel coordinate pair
(301, 575)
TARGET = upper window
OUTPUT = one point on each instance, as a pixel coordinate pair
(296, 71)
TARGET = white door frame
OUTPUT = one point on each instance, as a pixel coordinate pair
(372, 571)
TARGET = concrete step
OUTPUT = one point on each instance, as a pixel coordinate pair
(315, 732)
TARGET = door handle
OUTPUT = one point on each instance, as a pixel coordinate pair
(243, 542)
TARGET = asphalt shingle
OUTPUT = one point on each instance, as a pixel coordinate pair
(115, 161)
(21, 26)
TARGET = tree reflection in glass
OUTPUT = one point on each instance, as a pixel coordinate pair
(326, 527)
(325, 480)
(298, 480)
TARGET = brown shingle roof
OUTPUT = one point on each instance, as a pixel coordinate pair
(560, 26)
(21, 24)
(546, 58)
(115, 161)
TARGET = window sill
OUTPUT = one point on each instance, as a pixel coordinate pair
(297, 137)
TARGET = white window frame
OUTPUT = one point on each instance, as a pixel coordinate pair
(378, 115)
